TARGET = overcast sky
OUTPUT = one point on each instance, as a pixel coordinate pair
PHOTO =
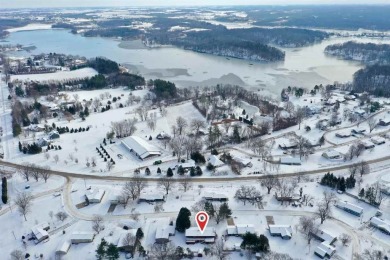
(86, 3)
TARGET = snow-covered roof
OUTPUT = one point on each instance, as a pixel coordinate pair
(120, 240)
(283, 230)
(332, 153)
(325, 235)
(82, 236)
(215, 161)
(64, 247)
(151, 196)
(379, 223)
(343, 133)
(378, 139)
(350, 206)
(290, 160)
(39, 230)
(141, 147)
(240, 229)
(189, 164)
(195, 232)
(216, 196)
(165, 232)
(95, 194)
(324, 249)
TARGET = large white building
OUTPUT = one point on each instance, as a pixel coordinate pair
(140, 147)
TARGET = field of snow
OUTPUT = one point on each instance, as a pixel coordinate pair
(31, 27)
(57, 76)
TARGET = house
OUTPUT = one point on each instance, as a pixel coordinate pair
(215, 161)
(82, 237)
(193, 235)
(288, 199)
(381, 225)
(215, 197)
(343, 134)
(350, 208)
(378, 140)
(284, 231)
(360, 112)
(367, 144)
(384, 122)
(290, 161)
(121, 245)
(349, 97)
(95, 195)
(358, 131)
(36, 128)
(243, 162)
(323, 235)
(188, 165)
(42, 142)
(150, 198)
(53, 135)
(332, 154)
(140, 147)
(324, 250)
(288, 145)
(163, 233)
(240, 229)
(63, 248)
(39, 232)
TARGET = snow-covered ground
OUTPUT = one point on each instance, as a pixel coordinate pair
(57, 76)
(31, 27)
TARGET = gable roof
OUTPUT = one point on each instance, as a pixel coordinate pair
(141, 147)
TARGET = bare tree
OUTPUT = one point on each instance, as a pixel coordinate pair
(17, 255)
(307, 227)
(353, 168)
(181, 124)
(110, 165)
(345, 239)
(47, 156)
(304, 147)
(300, 115)
(249, 194)
(45, 173)
(166, 183)
(218, 250)
(23, 201)
(129, 240)
(61, 216)
(324, 210)
(372, 123)
(269, 182)
(97, 223)
(307, 199)
(177, 144)
(197, 124)
(25, 170)
(285, 188)
(363, 168)
(163, 251)
(35, 172)
(370, 254)
(185, 183)
(56, 158)
(140, 184)
(142, 111)
(129, 191)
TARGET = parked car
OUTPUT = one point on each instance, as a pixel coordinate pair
(157, 162)
(27, 187)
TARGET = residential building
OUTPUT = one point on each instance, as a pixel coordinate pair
(82, 237)
(193, 235)
(290, 161)
(150, 198)
(95, 195)
(163, 233)
(350, 208)
(378, 140)
(332, 154)
(140, 147)
(39, 232)
(380, 224)
(215, 197)
(284, 231)
(240, 229)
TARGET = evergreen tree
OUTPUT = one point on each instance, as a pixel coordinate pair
(209, 208)
(140, 234)
(341, 184)
(101, 250)
(183, 221)
(147, 171)
(112, 252)
(4, 190)
(361, 193)
(224, 212)
(180, 170)
(192, 172)
(199, 171)
(158, 170)
(20, 146)
(169, 172)
(236, 134)
(254, 243)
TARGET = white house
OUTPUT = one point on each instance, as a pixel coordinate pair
(95, 195)
(39, 232)
(193, 235)
(215, 161)
(349, 207)
(381, 225)
(324, 250)
(284, 231)
(82, 237)
(378, 140)
(240, 229)
(343, 134)
(368, 144)
(151, 197)
(290, 161)
(140, 147)
(163, 233)
(215, 197)
(332, 154)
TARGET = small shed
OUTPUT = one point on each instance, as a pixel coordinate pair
(95, 195)
(215, 161)
(378, 140)
(63, 248)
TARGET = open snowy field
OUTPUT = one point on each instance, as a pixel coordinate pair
(31, 27)
(59, 75)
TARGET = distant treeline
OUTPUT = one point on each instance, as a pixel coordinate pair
(368, 53)
(374, 79)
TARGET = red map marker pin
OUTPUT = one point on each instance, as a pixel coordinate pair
(202, 218)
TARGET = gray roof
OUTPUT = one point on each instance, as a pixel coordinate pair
(140, 146)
